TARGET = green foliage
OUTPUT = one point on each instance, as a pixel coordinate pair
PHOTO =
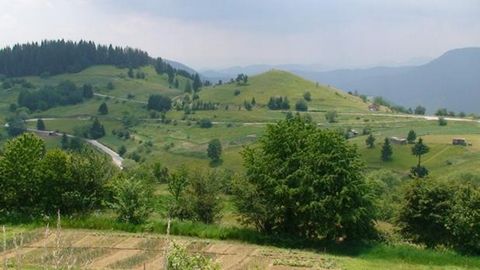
(301, 106)
(204, 197)
(424, 211)
(197, 83)
(278, 103)
(214, 150)
(464, 220)
(40, 124)
(33, 181)
(132, 199)
(96, 130)
(420, 110)
(65, 93)
(307, 96)
(331, 116)
(20, 173)
(441, 112)
(236, 92)
(160, 173)
(385, 185)
(370, 141)
(159, 103)
(177, 185)
(420, 149)
(205, 123)
(305, 181)
(387, 150)
(122, 150)
(110, 86)
(179, 259)
(103, 109)
(15, 126)
(87, 90)
(442, 121)
(412, 136)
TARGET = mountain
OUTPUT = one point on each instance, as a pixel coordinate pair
(451, 81)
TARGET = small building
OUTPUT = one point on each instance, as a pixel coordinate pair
(459, 141)
(396, 140)
(373, 107)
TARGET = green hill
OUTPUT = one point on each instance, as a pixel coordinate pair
(281, 83)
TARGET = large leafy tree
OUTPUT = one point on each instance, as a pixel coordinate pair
(305, 181)
(159, 103)
(20, 174)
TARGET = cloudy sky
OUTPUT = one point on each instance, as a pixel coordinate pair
(222, 33)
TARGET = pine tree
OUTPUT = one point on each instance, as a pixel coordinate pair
(412, 136)
(197, 83)
(96, 130)
(370, 141)
(387, 150)
(214, 150)
(103, 109)
(40, 124)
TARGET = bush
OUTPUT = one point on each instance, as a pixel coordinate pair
(131, 199)
(293, 184)
(179, 259)
(464, 220)
(205, 123)
(301, 105)
(159, 103)
(442, 121)
(331, 116)
(236, 92)
(214, 150)
(204, 197)
(424, 212)
(307, 96)
(33, 181)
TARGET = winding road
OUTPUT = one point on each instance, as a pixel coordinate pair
(116, 158)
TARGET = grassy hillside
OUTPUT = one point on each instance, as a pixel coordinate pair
(282, 83)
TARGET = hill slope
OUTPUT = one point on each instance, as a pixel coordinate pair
(282, 83)
(451, 81)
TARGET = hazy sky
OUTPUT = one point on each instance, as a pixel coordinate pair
(221, 33)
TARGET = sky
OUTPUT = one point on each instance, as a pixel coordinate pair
(212, 34)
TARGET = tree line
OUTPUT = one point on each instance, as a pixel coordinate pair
(51, 57)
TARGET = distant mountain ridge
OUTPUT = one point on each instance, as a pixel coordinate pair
(450, 81)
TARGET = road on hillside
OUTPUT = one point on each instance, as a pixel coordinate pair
(116, 158)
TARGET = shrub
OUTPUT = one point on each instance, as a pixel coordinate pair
(214, 150)
(301, 105)
(331, 116)
(442, 121)
(179, 259)
(307, 96)
(205, 123)
(159, 103)
(204, 198)
(464, 220)
(424, 212)
(236, 92)
(131, 199)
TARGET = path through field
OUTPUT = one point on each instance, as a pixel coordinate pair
(96, 250)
